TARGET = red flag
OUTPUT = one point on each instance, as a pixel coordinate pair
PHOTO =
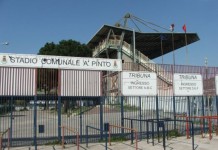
(184, 28)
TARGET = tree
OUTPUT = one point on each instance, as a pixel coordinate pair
(66, 48)
(48, 80)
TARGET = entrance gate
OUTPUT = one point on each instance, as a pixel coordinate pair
(34, 103)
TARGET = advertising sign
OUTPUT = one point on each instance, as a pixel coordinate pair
(139, 84)
(187, 85)
(59, 62)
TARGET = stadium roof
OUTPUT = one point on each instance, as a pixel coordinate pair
(147, 43)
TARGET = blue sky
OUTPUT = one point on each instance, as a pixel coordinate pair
(28, 24)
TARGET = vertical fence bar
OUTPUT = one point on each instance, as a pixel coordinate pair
(189, 117)
(11, 124)
(157, 115)
(147, 128)
(217, 109)
(8, 138)
(152, 132)
(81, 122)
(164, 137)
(122, 115)
(62, 137)
(87, 135)
(131, 131)
(0, 142)
(203, 114)
(174, 111)
(193, 135)
(59, 118)
(101, 117)
(140, 117)
(106, 140)
(35, 122)
(77, 140)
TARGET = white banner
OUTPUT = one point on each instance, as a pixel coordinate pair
(139, 84)
(187, 85)
(59, 62)
(216, 83)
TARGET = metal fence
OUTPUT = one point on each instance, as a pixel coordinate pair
(35, 103)
(38, 119)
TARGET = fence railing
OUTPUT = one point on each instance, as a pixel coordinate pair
(1, 138)
(71, 130)
(25, 117)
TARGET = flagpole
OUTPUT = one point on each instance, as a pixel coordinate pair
(172, 29)
(187, 60)
(161, 49)
(186, 47)
(173, 49)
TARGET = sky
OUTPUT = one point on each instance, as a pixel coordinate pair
(29, 24)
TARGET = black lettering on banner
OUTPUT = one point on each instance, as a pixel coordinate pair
(139, 75)
(188, 77)
(85, 63)
(12, 59)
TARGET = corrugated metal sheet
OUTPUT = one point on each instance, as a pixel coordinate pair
(80, 83)
(17, 81)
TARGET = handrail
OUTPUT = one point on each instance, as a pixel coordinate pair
(158, 121)
(209, 118)
(72, 130)
(115, 126)
(1, 135)
(87, 131)
(141, 58)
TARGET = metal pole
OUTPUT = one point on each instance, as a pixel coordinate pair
(173, 49)
(81, 122)
(35, 122)
(152, 132)
(87, 136)
(161, 42)
(106, 140)
(101, 117)
(187, 60)
(193, 141)
(174, 111)
(59, 118)
(147, 128)
(164, 144)
(207, 86)
(131, 131)
(8, 138)
(189, 114)
(63, 137)
(134, 59)
(11, 119)
(203, 114)
(217, 108)
(157, 115)
(122, 115)
(140, 117)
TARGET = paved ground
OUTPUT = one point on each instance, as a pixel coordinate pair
(180, 143)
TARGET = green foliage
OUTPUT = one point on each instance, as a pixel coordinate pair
(116, 139)
(127, 108)
(77, 111)
(56, 142)
(66, 48)
(63, 48)
(174, 133)
(20, 102)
